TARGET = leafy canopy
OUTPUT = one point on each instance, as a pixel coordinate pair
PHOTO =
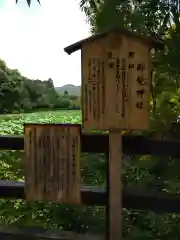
(29, 2)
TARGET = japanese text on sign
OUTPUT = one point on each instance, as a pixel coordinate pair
(141, 85)
(115, 87)
(52, 162)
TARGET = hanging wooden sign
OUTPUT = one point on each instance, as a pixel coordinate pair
(52, 153)
(115, 87)
(116, 75)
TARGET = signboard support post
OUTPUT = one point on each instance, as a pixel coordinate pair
(115, 186)
(116, 74)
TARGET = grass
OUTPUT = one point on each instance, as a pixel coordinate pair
(137, 225)
(48, 215)
(14, 124)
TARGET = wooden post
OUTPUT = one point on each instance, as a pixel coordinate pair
(107, 192)
(116, 75)
(115, 186)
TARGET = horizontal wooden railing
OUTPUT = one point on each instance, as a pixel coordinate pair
(100, 143)
(133, 197)
(15, 233)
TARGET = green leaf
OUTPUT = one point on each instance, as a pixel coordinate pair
(29, 2)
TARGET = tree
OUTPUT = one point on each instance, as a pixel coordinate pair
(29, 2)
(20, 93)
(66, 93)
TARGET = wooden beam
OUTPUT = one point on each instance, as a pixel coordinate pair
(115, 186)
(15, 233)
(133, 197)
(99, 144)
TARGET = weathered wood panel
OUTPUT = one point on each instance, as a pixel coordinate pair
(116, 73)
(52, 154)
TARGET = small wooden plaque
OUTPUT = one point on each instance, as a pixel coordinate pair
(52, 153)
(116, 73)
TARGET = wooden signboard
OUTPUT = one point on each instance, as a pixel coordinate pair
(52, 153)
(116, 74)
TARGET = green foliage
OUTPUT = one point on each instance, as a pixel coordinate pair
(160, 19)
(18, 93)
(143, 171)
(48, 215)
(65, 93)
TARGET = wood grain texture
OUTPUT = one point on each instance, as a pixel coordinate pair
(115, 86)
(115, 186)
(52, 153)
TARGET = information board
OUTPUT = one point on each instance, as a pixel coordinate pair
(115, 84)
(52, 171)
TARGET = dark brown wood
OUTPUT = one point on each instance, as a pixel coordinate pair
(15, 189)
(107, 194)
(115, 186)
(78, 45)
(100, 143)
(11, 142)
(133, 197)
(14, 233)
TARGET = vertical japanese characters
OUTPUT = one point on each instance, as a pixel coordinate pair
(94, 90)
(118, 83)
(119, 65)
(115, 86)
(142, 82)
(52, 172)
(124, 87)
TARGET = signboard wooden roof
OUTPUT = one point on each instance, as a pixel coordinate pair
(149, 40)
(116, 74)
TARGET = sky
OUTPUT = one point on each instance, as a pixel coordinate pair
(32, 39)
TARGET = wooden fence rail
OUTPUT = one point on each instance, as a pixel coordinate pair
(100, 144)
(15, 233)
(133, 197)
